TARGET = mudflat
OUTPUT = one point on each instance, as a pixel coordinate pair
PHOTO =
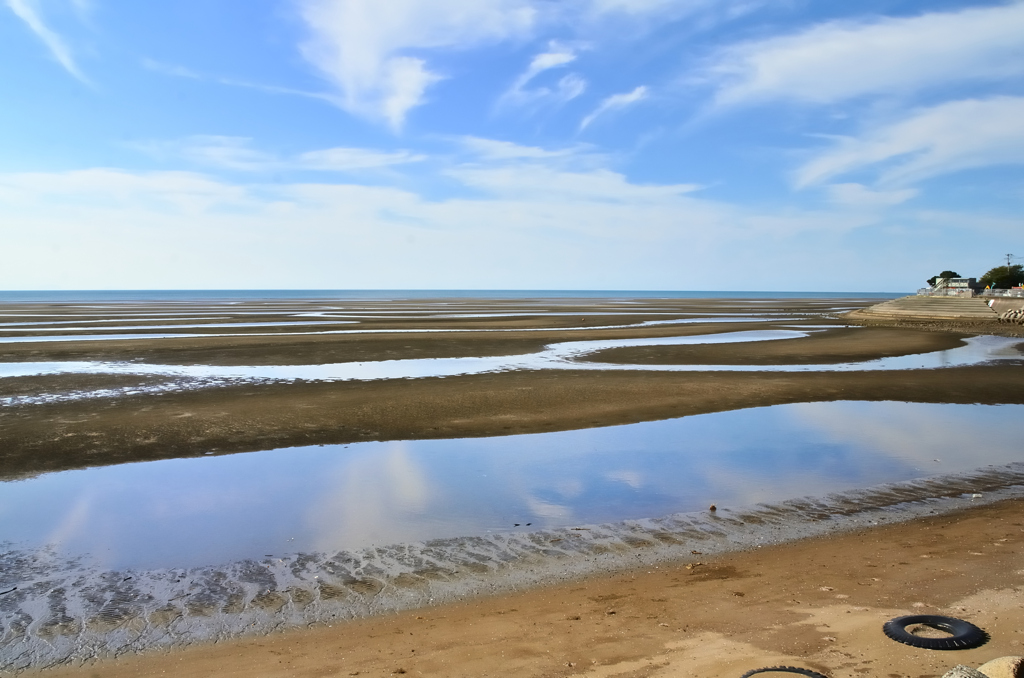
(71, 419)
(97, 385)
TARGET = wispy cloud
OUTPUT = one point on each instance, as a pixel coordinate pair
(558, 179)
(569, 87)
(931, 141)
(632, 15)
(493, 149)
(114, 189)
(614, 103)
(177, 71)
(896, 56)
(376, 53)
(171, 69)
(237, 153)
(363, 47)
(28, 11)
(349, 159)
(860, 196)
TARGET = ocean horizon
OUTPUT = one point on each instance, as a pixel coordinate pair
(240, 294)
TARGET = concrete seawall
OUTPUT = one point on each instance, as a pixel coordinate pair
(1001, 306)
(930, 308)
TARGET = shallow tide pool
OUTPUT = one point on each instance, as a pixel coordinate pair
(218, 509)
(558, 356)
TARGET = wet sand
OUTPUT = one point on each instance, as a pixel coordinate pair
(822, 348)
(241, 417)
(70, 435)
(720, 618)
(817, 603)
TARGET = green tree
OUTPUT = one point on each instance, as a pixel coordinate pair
(1004, 277)
(944, 274)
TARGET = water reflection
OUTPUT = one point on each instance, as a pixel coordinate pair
(211, 510)
(369, 496)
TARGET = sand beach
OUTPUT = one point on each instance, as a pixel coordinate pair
(803, 579)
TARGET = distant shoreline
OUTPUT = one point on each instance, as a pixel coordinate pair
(58, 296)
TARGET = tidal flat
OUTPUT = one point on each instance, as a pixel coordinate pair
(428, 451)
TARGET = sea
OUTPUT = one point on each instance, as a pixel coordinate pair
(8, 296)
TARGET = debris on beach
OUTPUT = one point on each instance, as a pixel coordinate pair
(1003, 667)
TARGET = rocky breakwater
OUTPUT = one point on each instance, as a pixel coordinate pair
(1013, 316)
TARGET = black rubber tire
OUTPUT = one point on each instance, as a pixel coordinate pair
(786, 669)
(965, 634)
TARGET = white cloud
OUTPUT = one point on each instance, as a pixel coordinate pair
(110, 229)
(348, 159)
(236, 153)
(706, 12)
(546, 60)
(377, 54)
(556, 58)
(532, 218)
(614, 103)
(102, 189)
(841, 60)
(177, 71)
(363, 46)
(101, 229)
(638, 6)
(946, 138)
(511, 171)
(170, 69)
(28, 11)
(569, 87)
(538, 182)
(218, 151)
(859, 195)
(493, 149)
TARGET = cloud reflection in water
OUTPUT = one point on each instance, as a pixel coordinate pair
(210, 510)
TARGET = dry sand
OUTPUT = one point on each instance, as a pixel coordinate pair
(818, 603)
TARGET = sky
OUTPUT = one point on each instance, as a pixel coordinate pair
(790, 145)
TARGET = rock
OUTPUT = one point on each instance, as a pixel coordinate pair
(961, 671)
(1004, 667)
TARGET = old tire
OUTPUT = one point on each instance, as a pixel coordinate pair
(786, 669)
(965, 634)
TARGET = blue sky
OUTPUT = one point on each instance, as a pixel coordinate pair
(508, 144)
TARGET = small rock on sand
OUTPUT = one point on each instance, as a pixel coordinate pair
(1004, 667)
(961, 671)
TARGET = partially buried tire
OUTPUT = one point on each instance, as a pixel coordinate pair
(785, 669)
(965, 635)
